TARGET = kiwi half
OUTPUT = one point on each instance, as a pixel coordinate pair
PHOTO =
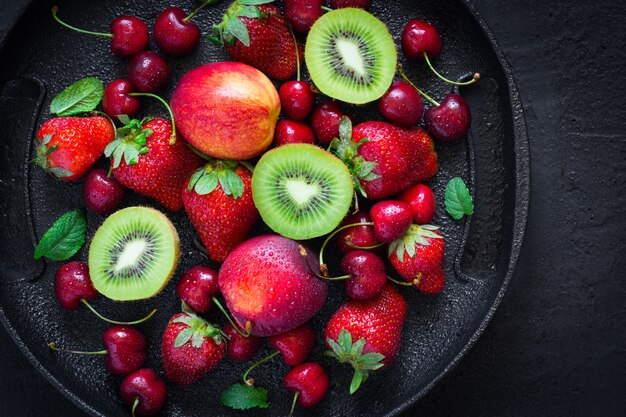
(301, 191)
(351, 56)
(133, 254)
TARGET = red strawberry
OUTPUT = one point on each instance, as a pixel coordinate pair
(259, 36)
(388, 158)
(191, 347)
(366, 333)
(69, 146)
(144, 159)
(218, 200)
(418, 257)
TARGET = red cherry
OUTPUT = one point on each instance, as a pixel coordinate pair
(73, 284)
(126, 349)
(148, 72)
(145, 388)
(362, 236)
(450, 120)
(339, 4)
(368, 272)
(296, 99)
(197, 286)
(325, 121)
(302, 13)
(102, 194)
(421, 199)
(310, 381)
(289, 131)
(391, 219)
(401, 104)
(174, 34)
(419, 37)
(295, 345)
(239, 348)
(130, 36)
(116, 99)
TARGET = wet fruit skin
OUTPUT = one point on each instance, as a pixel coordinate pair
(149, 72)
(421, 199)
(296, 99)
(268, 281)
(145, 385)
(116, 99)
(72, 284)
(173, 35)
(325, 121)
(126, 349)
(362, 236)
(391, 219)
(310, 380)
(368, 271)
(196, 287)
(401, 104)
(239, 348)
(449, 121)
(419, 37)
(130, 36)
(102, 194)
(295, 345)
(290, 131)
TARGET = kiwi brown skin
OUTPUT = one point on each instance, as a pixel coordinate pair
(94, 273)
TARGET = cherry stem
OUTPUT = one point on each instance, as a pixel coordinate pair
(295, 42)
(55, 10)
(426, 96)
(195, 12)
(376, 246)
(265, 359)
(101, 317)
(330, 236)
(475, 78)
(53, 346)
(341, 278)
(327, 9)
(293, 404)
(231, 321)
(135, 404)
(167, 106)
(395, 281)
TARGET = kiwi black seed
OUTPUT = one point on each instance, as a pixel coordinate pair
(133, 254)
(301, 191)
(351, 56)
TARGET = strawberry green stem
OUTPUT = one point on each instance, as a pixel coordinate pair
(265, 359)
(167, 106)
(101, 317)
(135, 404)
(426, 96)
(330, 236)
(55, 10)
(293, 404)
(295, 42)
(230, 320)
(475, 78)
(54, 347)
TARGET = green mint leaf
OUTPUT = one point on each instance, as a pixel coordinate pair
(254, 2)
(81, 97)
(458, 200)
(183, 337)
(235, 27)
(64, 238)
(244, 397)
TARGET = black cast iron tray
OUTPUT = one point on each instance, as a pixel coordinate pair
(39, 58)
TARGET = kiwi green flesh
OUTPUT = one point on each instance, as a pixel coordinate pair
(351, 56)
(133, 254)
(301, 191)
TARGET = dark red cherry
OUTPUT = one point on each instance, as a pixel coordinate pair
(401, 104)
(296, 99)
(391, 219)
(174, 34)
(126, 349)
(362, 236)
(289, 131)
(196, 287)
(362, 4)
(325, 121)
(116, 99)
(419, 37)
(421, 199)
(368, 272)
(303, 13)
(149, 72)
(130, 36)
(146, 389)
(450, 120)
(239, 348)
(310, 381)
(102, 194)
(295, 345)
(73, 284)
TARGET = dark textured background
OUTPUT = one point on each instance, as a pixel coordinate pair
(557, 345)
